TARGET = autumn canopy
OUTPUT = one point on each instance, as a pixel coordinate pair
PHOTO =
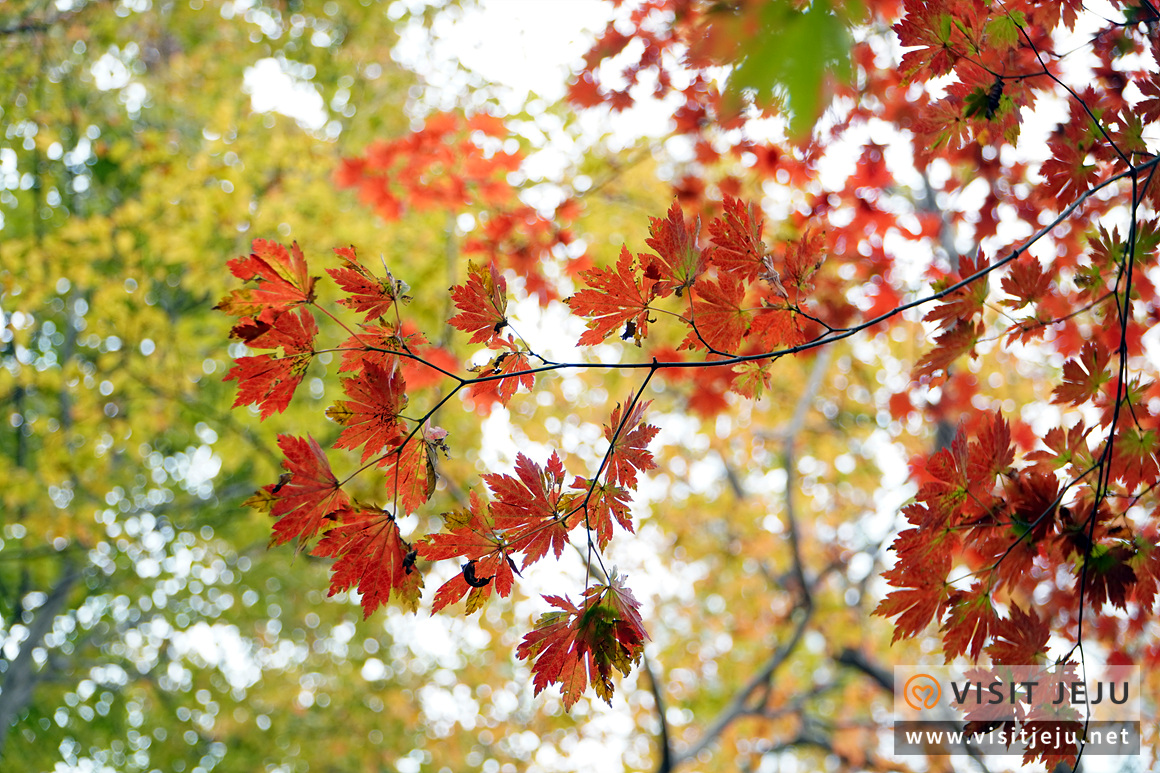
(853, 366)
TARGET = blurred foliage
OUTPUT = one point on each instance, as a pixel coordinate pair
(143, 623)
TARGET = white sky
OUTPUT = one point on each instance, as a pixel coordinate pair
(523, 50)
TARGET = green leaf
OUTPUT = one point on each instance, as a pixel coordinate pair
(789, 60)
(1004, 31)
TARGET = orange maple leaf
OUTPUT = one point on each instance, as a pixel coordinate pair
(268, 381)
(629, 439)
(371, 416)
(573, 645)
(282, 282)
(482, 303)
(306, 498)
(719, 318)
(615, 300)
(372, 557)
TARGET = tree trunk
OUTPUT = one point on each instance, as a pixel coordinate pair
(21, 677)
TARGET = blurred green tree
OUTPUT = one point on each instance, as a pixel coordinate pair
(142, 623)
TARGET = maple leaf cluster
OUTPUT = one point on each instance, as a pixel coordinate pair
(1022, 527)
(461, 164)
(529, 515)
(732, 288)
(447, 164)
(581, 645)
(265, 321)
(1006, 527)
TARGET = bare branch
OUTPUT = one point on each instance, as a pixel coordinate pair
(805, 400)
(664, 741)
(857, 660)
(31, 25)
(21, 678)
(739, 706)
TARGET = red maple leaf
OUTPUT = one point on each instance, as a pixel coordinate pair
(369, 294)
(616, 300)
(1054, 755)
(1032, 499)
(678, 260)
(613, 631)
(628, 452)
(1067, 173)
(471, 534)
(1063, 448)
(372, 556)
(482, 303)
(948, 347)
(1108, 575)
(775, 327)
(410, 468)
(268, 381)
(923, 595)
(719, 318)
(1069, 13)
(559, 658)
(937, 36)
(1026, 330)
(1149, 107)
(803, 258)
(371, 415)
(964, 303)
(753, 378)
(940, 124)
(1020, 639)
(1083, 377)
(511, 363)
(282, 282)
(603, 503)
(577, 645)
(1146, 565)
(993, 454)
(1026, 283)
(389, 346)
(528, 508)
(382, 343)
(736, 236)
(304, 501)
(1134, 457)
(968, 624)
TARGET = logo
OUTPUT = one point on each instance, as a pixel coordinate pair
(1059, 710)
(922, 691)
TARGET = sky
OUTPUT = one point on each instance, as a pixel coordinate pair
(523, 48)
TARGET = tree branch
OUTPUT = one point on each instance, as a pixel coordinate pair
(739, 705)
(21, 677)
(32, 26)
(792, 431)
(664, 741)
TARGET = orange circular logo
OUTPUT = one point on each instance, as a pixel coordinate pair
(922, 691)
